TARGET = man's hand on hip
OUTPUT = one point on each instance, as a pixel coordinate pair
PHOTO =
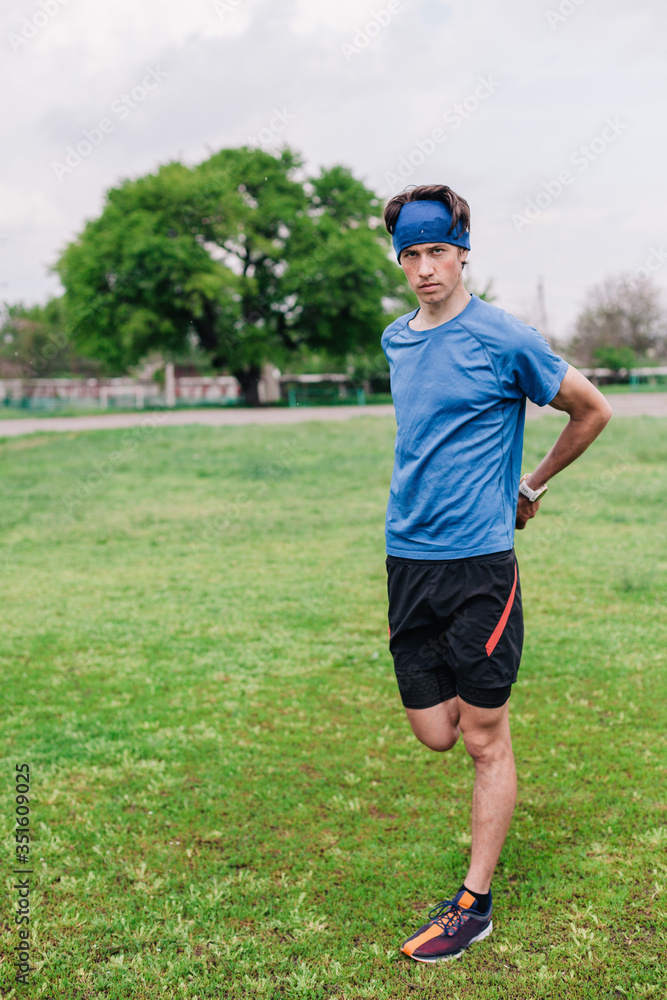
(525, 510)
(589, 412)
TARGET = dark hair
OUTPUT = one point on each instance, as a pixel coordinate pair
(457, 205)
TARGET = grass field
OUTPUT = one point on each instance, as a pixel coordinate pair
(657, 385)
(226, 800)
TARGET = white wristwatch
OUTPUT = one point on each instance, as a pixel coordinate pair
(526, 491)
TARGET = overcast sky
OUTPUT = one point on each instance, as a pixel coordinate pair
(547, 115)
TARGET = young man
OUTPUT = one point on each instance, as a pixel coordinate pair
(461, 370)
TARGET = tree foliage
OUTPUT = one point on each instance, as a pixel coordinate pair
(34, 343)
(623, 315)
(618, 359)
(242, 252)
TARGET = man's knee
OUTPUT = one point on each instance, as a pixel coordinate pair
(486, 732)
(487, 747)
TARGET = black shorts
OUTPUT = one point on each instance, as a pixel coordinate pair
(456, 628)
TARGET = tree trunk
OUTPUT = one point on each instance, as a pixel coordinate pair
(249, 379)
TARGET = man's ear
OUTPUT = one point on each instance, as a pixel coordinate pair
(463, 254)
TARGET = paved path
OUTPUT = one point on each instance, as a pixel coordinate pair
(223, 417)
(631, 404)
(653, 404)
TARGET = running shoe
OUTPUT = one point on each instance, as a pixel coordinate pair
(453, 926)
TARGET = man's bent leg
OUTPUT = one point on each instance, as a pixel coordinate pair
(436, 727)
(486, 734)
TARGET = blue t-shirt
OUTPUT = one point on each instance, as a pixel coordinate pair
(460, 392)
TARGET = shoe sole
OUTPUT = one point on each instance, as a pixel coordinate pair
(456, 954)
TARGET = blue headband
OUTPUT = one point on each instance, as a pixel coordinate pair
(426, 222)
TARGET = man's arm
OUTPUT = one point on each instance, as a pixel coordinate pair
(589, 414)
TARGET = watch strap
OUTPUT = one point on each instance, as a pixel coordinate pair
(526, 491)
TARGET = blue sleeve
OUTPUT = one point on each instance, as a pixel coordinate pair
(527, 366)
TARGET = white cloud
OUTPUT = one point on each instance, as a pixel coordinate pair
(22, 209)
(230, 67)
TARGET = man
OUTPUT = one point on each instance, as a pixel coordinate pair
(461, 370)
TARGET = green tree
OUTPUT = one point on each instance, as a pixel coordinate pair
(243, 252)
(34, 342)
(615, 358)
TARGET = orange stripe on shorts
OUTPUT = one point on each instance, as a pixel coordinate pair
(500, 627)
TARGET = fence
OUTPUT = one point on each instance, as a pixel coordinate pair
(48, 394)
(56, 393)
(325, 389)
(634, 376)
(219, 390)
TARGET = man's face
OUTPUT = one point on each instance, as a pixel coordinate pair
(433, 270)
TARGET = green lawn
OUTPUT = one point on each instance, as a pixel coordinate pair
(656, 385)
(226, 800)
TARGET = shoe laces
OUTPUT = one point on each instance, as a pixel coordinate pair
(448, 915)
